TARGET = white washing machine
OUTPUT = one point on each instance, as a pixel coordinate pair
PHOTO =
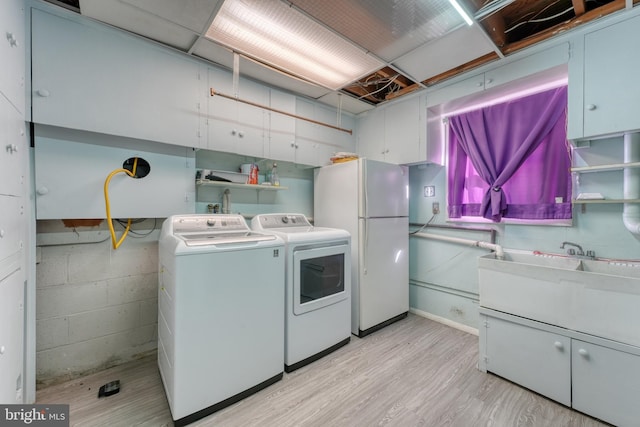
(220, 312)
(318, 286)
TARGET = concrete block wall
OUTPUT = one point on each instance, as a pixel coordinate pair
(95, 307)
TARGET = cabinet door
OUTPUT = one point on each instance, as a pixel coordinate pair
(282, 128)
(328, 135)
(234, 126)
(401, 132)
(12, 48)
(535, 359)
(70, 177)
(308, 135)
(456, 90)
(13, 150)
(527, 66)
(611, 63)
(371, 144)
(11, 335)
(606, 383)
(12, 223)
(90, 77)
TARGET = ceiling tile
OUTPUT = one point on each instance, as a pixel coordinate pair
(349, 103)
(388, 28)
(191, 14)
(452, 50)
(213, 52)
(139, 21)
(276, 78)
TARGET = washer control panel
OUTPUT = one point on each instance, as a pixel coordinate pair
(217, 223)
(268, 221)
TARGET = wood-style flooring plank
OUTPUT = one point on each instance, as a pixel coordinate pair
(415, 372)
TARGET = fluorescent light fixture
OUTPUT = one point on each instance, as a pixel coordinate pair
(279, 35)
(461, 11)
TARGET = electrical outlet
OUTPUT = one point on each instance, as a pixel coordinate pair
(435, 207)
(429, 191)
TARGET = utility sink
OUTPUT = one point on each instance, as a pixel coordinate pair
(600, 298)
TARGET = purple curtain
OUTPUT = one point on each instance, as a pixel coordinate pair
(497, 141)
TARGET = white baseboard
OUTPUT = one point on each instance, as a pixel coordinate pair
(444, 321)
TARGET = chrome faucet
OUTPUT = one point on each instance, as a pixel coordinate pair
(580, 253)
(572, 251)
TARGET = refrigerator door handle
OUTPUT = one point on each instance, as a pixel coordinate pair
(366, 245)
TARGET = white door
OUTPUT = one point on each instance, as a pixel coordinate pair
(385, 190)
(383, 270)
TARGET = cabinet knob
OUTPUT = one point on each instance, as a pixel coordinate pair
(1, 233)
(240, 134)
(479, 84)
(591, 107)
(2, 349)
(488, 81)
(42, 190)
(584, 353)
(558, 345)
(43, 93)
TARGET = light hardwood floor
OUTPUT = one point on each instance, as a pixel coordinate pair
(415, 372)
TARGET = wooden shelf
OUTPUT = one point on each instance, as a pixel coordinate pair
(257, 187)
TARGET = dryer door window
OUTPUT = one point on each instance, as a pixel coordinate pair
(321, 277)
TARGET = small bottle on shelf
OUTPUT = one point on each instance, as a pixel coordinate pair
(275, 180)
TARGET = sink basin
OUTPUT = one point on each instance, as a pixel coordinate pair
(595, 297)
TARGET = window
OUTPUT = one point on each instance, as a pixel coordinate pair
(511, 160)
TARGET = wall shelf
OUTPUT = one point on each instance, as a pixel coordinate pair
(594, 201)
(603, 168)
(257, 187)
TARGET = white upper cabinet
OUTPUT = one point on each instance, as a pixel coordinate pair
(12, 52)
(500, 73)
(315, 143)
(371, 143)
(395, 133)
(91, 77)
(404, 132)
(282, 128)
(604, 94)
(235, 126)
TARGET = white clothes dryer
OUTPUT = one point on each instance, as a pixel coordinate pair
(318, 286)
(220, 312)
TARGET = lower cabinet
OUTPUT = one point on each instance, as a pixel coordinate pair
(11, 341)
(606, 383)
(590, 374)
(539, 360)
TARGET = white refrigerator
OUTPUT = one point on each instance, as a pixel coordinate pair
(370, 200)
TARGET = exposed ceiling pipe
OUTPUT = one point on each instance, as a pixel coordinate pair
(631, 184)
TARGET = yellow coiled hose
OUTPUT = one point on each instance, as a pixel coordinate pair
(116, 244)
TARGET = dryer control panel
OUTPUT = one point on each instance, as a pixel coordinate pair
(268, 221)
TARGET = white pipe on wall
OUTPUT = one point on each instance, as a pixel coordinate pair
(467, 242)
(631, 183)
